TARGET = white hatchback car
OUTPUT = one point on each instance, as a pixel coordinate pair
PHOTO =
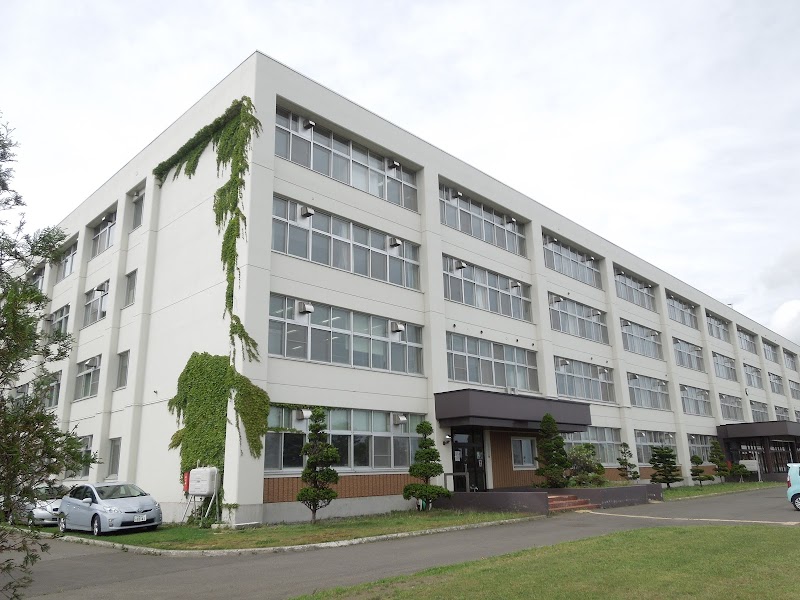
(105, 507)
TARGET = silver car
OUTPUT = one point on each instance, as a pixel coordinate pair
(105, 507)
(47, 506)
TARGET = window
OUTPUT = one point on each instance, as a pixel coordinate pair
(776, 383)
(103, 237)
(781, 413)
(700, 445)
(647, 440)
(790, 360)
(724, 366)
(459, 211)
(61, 319)
(130, 288)
(37, 279)
(747, 341)
(301, 141)
(53, 390)
(339, 336)
(96, 304)
(485, 289)
(138, 210)
(682, 311)
(87, 452)
(797, 415)
(688, 355)
(576, 379)
(770, 352)
(760, 412)
(794, 389)
(67, 264)
(606, 442)
(115, 447)
(366, 439)
(648, 392)
(695, 401)
(523, 453)
(335, 242)
(483, 362)
(122, 368)
(731, 407)
(571, 262)
(641, 340)
(577, 319)
(88, 378)
(718, 327)
(752, 376)
(634, 290)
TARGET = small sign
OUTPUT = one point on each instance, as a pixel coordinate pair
(750, 465)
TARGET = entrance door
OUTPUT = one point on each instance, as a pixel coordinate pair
(469, 458)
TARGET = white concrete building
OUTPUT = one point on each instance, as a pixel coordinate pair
(438, 293)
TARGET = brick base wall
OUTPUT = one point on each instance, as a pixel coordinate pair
(284, 489)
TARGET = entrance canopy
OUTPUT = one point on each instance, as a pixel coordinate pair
(498, 410)
(770, 429)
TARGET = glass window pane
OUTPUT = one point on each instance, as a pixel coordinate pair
(322, 160)
(277, 306)
(360, 260)
(341, 144)
(272, 451)
(380, 327)
(340, 228)
(394, 192)
(379, 354)
(360, 177)
(340, 347)
(341, 168)
(395, 270)
(409, 197)
(342, 444)
(292, 450)
(359, 153)
(381, 454)
(298, 241)
(301, 151)
(276, 329)
(360, 351)
(361, 420)
(361, 323)
(279, 236)
(412, 276)
(378, 262)
(280, 207)
(361, 235)
(281, 142)
(361, 450)
(321, 248)
(401, 451)
(296, 340)
(320, 345)
(340, 419)
(414, 359)
(340, 258)
(398, 358)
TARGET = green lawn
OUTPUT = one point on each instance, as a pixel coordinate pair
(741, 562)
(717, 488)
(181, 537)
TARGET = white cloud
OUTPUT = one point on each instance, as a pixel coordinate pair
(786, 320)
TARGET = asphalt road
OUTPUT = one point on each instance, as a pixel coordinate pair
(74, 571)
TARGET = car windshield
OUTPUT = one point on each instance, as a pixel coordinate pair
(123, 490)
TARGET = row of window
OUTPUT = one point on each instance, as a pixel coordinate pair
(460, 212)
(485, 289)
(301, 141)
(335, 335)
(336, 242)
(474, 360)
(365, 439)
(607, 443)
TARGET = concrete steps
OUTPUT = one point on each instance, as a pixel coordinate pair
(566, 503)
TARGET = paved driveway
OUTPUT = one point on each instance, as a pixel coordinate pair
(72, 571)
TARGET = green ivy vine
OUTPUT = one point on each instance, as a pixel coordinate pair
(230, 134)
(204, 388)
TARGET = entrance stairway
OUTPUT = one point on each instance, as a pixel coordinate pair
(558, 504)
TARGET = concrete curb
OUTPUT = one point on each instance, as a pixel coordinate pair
(722, 493)
(280, 549)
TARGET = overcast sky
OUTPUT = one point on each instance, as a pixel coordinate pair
(671, 128)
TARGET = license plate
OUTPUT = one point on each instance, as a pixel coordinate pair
(139, 518)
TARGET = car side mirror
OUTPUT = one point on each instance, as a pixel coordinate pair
(87, 500)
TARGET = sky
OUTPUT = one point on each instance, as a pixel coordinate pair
(672, 129)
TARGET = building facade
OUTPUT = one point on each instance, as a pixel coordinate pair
(389, 282)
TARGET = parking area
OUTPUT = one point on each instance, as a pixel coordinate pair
(73, 571)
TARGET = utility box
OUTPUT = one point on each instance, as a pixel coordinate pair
(203, 481)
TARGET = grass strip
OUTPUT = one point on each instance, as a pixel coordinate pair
(737, 562)
(678, 493)
(185, 537)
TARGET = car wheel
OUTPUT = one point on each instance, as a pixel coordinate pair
(796, 501)
(31, 520)
(96, 525)
(62, 523)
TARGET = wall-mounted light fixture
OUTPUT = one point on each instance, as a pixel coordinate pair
(446, 440)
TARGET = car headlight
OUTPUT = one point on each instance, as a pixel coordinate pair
(112, 509)
(156, 504)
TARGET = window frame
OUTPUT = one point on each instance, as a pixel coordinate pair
(523, 466)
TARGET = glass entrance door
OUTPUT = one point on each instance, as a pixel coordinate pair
(469, 458)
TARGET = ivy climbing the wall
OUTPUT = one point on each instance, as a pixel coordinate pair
(230, 135)
(204, 388)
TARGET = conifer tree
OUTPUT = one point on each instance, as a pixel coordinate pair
(427, 464)
(551, 456)
(697, 471)
(318, 474)
(665, 466)
(627, 468)
(717, 457)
